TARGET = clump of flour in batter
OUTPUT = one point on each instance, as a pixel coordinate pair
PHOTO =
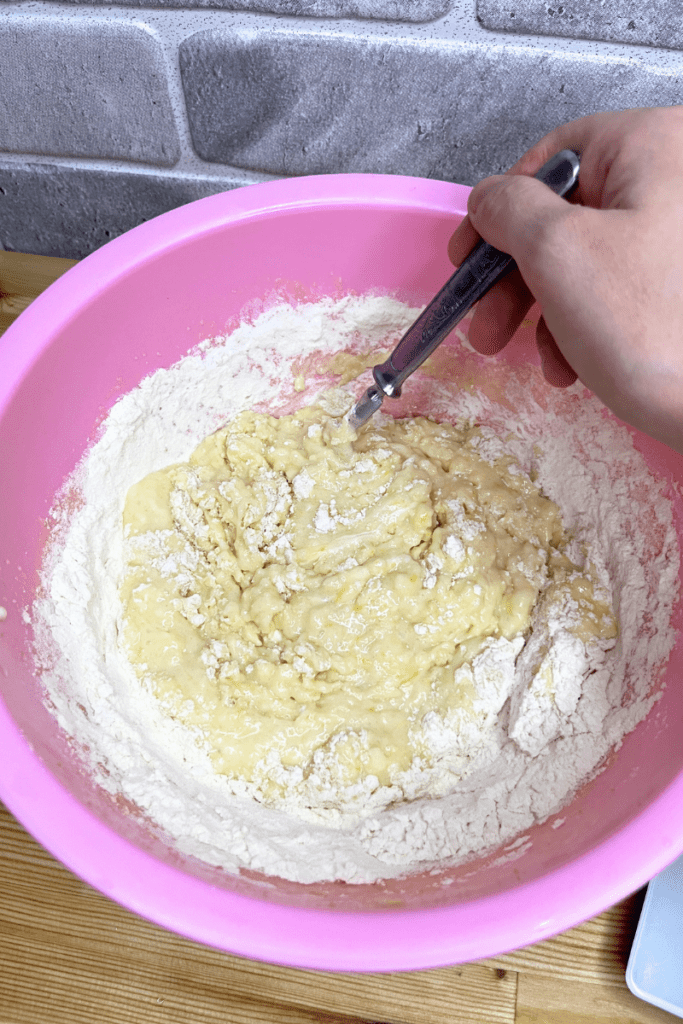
(339, 618)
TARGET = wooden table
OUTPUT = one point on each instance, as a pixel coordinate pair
(68, 955)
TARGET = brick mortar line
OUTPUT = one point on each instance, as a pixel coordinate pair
(206, 172)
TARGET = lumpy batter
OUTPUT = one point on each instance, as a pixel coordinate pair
(320, 604)
(485, 767)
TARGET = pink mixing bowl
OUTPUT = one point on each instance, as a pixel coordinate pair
(139, 303)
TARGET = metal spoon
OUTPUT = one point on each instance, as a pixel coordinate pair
(474, 277)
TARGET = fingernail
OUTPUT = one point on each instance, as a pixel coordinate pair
(474, 199)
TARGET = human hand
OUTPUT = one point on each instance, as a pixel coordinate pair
(606, 268)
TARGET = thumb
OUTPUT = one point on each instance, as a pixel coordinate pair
(513, 211)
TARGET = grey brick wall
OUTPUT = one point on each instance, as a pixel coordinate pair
(110, 115)
(78, 89)
(56, 209)
(392, 10)
(291, 104)
(619, 21)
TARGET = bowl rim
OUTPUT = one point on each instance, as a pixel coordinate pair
(392, 940)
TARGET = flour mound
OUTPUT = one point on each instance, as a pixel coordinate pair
(542, 745)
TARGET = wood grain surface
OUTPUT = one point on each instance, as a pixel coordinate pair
(23, 278)
(68, 955)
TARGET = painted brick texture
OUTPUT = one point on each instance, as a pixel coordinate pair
(111, 115)
(72, 89)
(67, 211)
(291, 104)
(619, 21)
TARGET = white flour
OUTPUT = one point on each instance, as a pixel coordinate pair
(540, 750)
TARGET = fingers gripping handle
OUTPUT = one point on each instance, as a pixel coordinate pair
(474, 277)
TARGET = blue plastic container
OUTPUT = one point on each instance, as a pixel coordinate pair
(655, 966)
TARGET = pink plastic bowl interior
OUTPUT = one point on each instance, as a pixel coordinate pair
(141, 302)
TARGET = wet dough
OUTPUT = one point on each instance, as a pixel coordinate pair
(303, 596)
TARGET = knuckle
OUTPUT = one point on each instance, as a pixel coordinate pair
(482, 198)
(493, 199)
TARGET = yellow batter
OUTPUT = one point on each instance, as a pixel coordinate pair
(297, 592)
